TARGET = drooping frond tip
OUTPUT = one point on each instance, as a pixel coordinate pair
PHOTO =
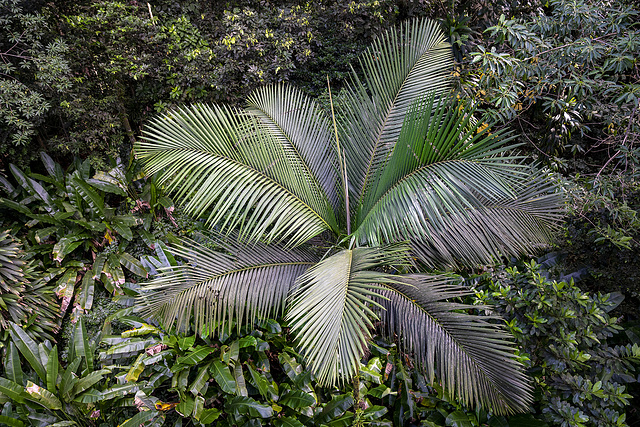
(471, 357)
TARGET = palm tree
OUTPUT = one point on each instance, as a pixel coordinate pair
(333, 218)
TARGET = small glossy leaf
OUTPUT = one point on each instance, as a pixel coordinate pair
(145, 329)
(291, 366)
(186, 342)
(132, 264)
(201, 379)
(84, 297)
(90, 396)
(136, 369)
(52, 369)
(140, 419)
(208, 416)
(458, 419)
(82, 346)
(259, 381)
(119, 390)
(241, 386)
(287, 422)
(12, 366)
(11, 422)
(198, 407)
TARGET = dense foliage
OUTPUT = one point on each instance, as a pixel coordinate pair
(79, 227)
(570, 344)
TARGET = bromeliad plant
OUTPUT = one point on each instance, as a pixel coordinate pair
(72, 233)
(24, 301)
(333, 218)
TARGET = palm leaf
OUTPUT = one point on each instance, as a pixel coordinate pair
(449, 186)
(223, 165)
(399, 67)
(330, 312)
(470, 356)
(502, 228)
(298, 123)
(229, 282)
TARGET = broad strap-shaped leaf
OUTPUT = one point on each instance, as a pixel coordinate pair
(303, 129)
(223, 165)
(29, 349)
(330, 312)
(83, 347)
(241, 405)
(33, 188)
(472, 357)
(401, 65)
(12, 390)
(53, 366)
(12, 367)
(231, 282)
(43, 396)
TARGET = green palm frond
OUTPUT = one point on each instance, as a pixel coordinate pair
(449, 187)
(230, 282)
(330, 312)
(298, 123)
(399, 67)
(223, 165)
(501, 228)
(470, 356)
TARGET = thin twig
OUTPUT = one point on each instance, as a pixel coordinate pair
(626, 134)
(565, 45)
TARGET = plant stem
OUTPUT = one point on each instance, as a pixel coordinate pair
(342, 164)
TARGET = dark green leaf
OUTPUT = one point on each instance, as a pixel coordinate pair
(241, 405)
(11, 422)
(52, 369)
(132, 264)
(29, 350)
(223, 377)
(287, 422)
(335, 408)
(195, 356)
(14, 391)
(297, 399)
(458, 419)
(185, 408)
(12, 367)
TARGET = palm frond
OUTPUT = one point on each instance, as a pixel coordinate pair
(401, 65)
(330, 312)
(297, 122)
(222, 164)
(223, 282)
(450, 189)
(470, 356)
(503, 228)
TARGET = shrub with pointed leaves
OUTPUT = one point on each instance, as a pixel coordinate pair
(400, 173)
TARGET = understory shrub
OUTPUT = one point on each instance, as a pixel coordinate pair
(583, 367)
